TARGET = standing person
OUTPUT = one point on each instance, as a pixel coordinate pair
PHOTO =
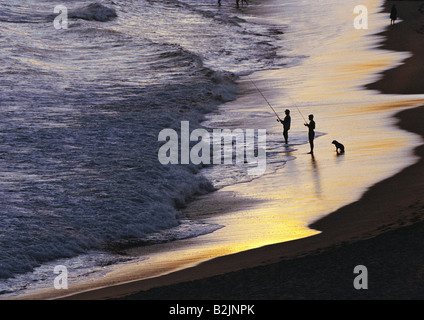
(311, 133)
(237, 3)
(286, 125)
(393, 15)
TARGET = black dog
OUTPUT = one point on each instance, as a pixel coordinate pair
(339, 147)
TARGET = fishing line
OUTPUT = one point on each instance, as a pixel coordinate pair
(273, 108)
(265, 99)
(301, 113)
(298, 110)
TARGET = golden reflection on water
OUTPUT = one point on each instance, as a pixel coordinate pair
(329, 85)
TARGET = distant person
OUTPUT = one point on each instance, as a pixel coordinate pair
(286, 125)
(219, 2)
(393, 15)
(311, 133)
(242, 2)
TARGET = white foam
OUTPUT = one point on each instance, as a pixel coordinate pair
(79, 167)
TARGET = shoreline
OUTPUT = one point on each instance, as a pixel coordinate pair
(392, 81)
(360, 229)
(391, 251)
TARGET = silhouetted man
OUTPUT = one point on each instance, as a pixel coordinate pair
(286, 125)
(311, 133)
(393, 14)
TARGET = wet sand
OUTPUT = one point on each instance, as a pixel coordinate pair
(383, 231)
(391, 247)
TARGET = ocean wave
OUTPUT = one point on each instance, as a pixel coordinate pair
(82, 111)
(186, 229)
(20, 14)
(93, 12)
(217, 16)
(37, 14)
(95, 179)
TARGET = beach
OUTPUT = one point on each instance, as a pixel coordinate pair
(391, 249)
(382, 230)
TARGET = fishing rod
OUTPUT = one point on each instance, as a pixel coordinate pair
(300, 113)
(273, 108)
(298, 110)
(265, 99)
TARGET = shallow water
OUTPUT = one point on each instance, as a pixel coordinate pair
(300, 189)
(328, 83)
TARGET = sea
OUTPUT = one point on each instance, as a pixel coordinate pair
(82, 106)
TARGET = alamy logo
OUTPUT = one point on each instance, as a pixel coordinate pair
(61, 21)
(214, 148)
(361, 20)
(360, 281)
(61, 281)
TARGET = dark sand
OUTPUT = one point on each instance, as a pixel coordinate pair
(383, 231)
